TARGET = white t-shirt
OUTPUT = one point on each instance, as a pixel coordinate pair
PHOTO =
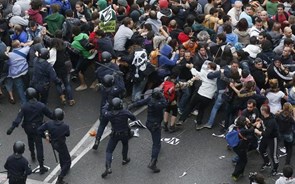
(275, 101)
(123, 34)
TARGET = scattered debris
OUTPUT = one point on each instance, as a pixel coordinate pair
(221, 157)
(173, 141)
(220, 136)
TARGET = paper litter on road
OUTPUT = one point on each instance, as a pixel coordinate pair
(183, 174)
(220, 136)
(221, 157)
(282, 155)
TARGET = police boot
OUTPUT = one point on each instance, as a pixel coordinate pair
(107, 171)
(96, 143)
(43, 169)
(153, 166)
(63, 99)
(60, 180)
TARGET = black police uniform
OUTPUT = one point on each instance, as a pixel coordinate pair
(43, 73)
(156, 104)
(120, 132)
(18, 169)
(58, 132)
(108, 92)
(32, 113)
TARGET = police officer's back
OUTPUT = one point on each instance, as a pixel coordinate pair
(31, 115)
(17, 166)
(57, 131)
(43, 73)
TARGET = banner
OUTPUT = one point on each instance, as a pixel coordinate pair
(109, 27)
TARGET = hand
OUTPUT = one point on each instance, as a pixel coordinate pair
(222, 70)
(47, 138)
(257, 131)
(231, 84)
(10, 130)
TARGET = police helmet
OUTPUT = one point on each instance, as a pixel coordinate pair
(19, 147)
(106, 57)
(108, 80)
(44, 53)
(31, 93)
(157, 93)
(117, 103)
(58, 114)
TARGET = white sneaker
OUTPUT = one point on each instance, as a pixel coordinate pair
(195, 112)
(81, 88)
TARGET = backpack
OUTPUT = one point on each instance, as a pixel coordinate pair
(84, 42)
(154, 57)
(233, 138)
(169, 90)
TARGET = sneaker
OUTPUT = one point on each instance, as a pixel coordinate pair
(199, 127)
(236, 178)
(43, 170)
(274, 172)
(172, 129)
(207, 126)
(81, 88)
(179, 111)
(72, 102)
(222, 124)
(264, 166)
(126, 161)
(179, 123)
(195, 112)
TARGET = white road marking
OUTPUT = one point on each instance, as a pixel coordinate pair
(85, 145)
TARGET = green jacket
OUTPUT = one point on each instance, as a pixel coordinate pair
(76, 44)
(54, 22)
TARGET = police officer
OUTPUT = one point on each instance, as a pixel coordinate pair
(107, 67)
(56, 132)
(120, 131)
(17, 166)
(156, 103)
(108, 91)
(43, 73)
(31, 115)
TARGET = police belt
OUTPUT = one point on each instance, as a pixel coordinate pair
(34, 125)
(126, 132)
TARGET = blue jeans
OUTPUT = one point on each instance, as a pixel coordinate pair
(68, 88)
(186, 93)
(19, 85)
(138, 88)
(216, 107)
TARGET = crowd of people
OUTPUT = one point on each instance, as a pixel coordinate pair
(235, 54)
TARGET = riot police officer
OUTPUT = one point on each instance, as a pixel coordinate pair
(156, 104)
(56, 132)
(17, 166)
(43, 73)
(31, 115)
(108, 92)
(120, 131)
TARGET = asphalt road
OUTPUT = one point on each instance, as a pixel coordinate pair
(203, 157)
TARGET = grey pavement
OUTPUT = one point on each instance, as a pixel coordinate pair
(204, 158)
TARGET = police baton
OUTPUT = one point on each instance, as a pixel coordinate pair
(50, 142)
(115, 71)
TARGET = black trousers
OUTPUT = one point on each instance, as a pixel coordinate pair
(35, 140)
(114, 139)
(13, 180)
(272, 144)
(242, 161)
(199, 101)
(64, 157)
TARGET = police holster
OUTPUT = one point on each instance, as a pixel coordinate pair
(154, 126)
